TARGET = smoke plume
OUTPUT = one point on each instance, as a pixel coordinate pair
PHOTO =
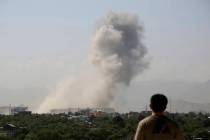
(118, 54)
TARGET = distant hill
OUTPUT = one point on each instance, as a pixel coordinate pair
(185, 96)
(185, 106)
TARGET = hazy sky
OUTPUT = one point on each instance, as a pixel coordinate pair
(43, 41)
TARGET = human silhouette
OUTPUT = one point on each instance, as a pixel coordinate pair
(157, 126)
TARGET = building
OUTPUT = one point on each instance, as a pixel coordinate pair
(98, 113)
(106, 110)
(83, 111)
(18, 109)
(12, 110)
(11, 130)
(64, 111)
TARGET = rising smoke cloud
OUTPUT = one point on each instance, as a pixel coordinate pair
(118, 54)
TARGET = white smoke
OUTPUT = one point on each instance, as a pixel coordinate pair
(118, 53)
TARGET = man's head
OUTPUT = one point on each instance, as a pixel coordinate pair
(158, 102)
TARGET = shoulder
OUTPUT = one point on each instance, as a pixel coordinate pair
(145, 121)
(152, 119)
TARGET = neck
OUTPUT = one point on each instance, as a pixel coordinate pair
(157, 113)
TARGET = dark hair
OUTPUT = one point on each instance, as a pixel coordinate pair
(158, 102)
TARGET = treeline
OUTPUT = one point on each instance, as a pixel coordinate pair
(112, 127)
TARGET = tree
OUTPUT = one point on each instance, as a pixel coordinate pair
(46, 134)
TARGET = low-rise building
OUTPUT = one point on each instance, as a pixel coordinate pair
(12, 110)
(64, 110)
(83, 111)
(11, 130)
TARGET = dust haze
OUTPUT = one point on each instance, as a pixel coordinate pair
(117, 54)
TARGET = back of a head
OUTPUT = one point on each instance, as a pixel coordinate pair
(158, 102)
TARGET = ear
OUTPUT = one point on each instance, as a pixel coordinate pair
(165, 108)
(150, 106)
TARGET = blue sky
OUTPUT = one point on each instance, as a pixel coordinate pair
(187, 13)
(43, 41)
